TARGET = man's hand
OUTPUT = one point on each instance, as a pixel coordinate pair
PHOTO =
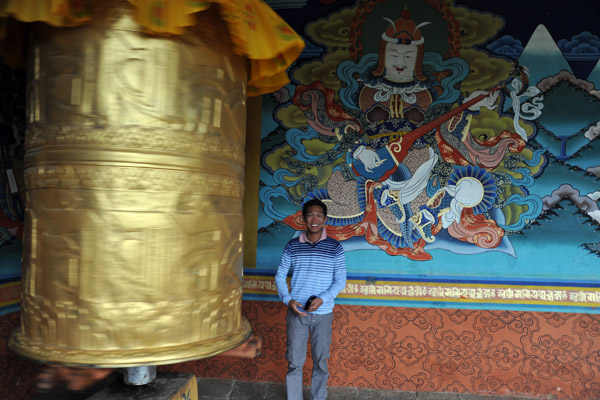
(296, 307)
(315, 304)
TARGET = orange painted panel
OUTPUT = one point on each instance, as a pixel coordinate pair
(535, 354)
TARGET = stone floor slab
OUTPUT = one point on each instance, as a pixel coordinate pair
(214, 389)
(226, 389)
(243, 390)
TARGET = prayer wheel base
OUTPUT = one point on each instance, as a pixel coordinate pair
(166, 386)
(120, 358)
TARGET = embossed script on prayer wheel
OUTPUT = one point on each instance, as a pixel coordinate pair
(134, 184)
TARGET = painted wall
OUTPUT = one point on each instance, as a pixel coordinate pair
(501, 297)
(486, 352)
(494, 206)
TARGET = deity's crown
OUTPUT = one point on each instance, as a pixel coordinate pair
(404, 30)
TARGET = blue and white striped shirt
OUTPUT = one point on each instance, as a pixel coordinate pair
(317, 269)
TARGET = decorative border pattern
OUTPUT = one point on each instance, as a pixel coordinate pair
(10, 295)
(443, 293)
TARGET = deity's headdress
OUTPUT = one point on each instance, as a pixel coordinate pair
(402, 31)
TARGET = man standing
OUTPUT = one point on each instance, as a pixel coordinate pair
(318, 270)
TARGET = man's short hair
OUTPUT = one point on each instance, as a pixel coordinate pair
(313, 202)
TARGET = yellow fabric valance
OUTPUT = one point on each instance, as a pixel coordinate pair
(255, 30)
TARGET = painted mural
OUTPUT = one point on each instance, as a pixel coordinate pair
(458, 156)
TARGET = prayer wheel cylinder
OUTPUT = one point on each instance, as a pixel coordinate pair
(134, 172)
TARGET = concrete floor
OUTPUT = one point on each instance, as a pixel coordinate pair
(224, 389)
(221, 389)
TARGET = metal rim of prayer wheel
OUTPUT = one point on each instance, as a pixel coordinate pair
(134, 172)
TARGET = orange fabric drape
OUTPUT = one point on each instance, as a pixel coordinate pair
(256, 31)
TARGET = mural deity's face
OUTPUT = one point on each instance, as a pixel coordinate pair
(400, 60)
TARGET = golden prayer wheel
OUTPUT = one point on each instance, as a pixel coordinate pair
(134, 172)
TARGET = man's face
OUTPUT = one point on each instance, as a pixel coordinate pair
(400, 60)
(315, 219)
